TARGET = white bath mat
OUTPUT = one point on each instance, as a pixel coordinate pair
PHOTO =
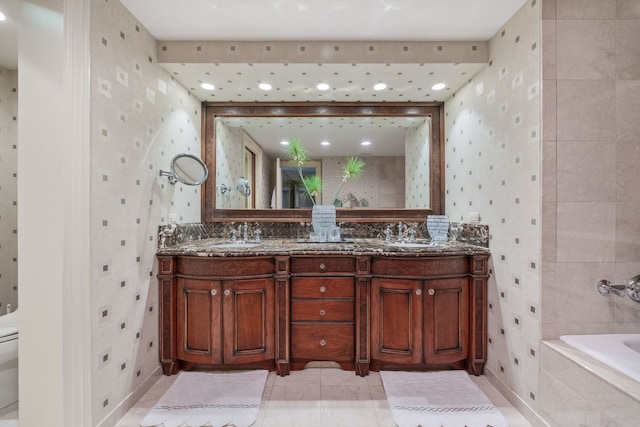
(439, 399)
(210, 399)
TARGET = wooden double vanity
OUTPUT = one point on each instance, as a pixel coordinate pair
(365, 304)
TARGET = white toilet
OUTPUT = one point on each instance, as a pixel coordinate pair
(8, 359)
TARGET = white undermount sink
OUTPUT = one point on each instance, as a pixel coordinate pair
(236, 245)
(416, 244)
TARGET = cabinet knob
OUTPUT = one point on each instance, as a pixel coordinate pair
(227, 292)
(418, 292)
(322, 312)
(431, 292)
(322, 266)
(323, 289)
(214, 292)
(323, 343)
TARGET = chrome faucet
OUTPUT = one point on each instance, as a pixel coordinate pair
(257, 232)
(387, 233)
(400, 228)
(245, 232)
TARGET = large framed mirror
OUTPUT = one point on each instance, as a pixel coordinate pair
(404, 163)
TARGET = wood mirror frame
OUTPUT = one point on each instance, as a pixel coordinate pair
(434, 110)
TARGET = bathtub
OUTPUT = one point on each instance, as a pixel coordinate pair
(8, 359)
(619, 351)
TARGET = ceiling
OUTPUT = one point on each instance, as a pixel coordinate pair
(9, 34)
(348, 21)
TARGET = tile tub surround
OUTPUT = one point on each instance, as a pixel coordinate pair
(322, 396)
(577, 389)
(175, 234)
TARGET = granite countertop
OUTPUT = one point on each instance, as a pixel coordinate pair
(226, 248)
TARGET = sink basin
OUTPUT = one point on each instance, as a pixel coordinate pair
(416, 244)
(236, 245)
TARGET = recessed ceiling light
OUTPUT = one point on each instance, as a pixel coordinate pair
(207, 86)
(264, 86)
(325, 143)
(322, 86)
(379, 86)
(284, 142)
(438, 86)
(365, 143)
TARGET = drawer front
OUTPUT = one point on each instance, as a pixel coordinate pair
(224, 267)
(323, 265)
(322, 287)
(320, 310)
(437, 266)
(323, 341)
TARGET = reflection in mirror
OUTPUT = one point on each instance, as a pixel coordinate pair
(396, 157)
(243, 186)
(186, 169)
(402, 163)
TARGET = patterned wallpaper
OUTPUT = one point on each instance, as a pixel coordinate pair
(141, 118)
(416, 149)
(8, 189)
(493, 156)
(228, 163)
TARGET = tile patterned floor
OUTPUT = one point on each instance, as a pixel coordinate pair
(322, 397)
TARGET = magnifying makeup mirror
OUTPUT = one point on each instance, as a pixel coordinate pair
(243, 186)
(186, 169)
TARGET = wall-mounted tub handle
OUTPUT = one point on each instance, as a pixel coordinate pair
(605, 287)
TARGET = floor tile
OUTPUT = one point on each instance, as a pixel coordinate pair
(322, 397)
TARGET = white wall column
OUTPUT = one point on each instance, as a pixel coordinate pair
(53, 213)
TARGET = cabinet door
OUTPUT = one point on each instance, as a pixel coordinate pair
(396, 321)
(446, 320)
(199, 307)
(249, 319)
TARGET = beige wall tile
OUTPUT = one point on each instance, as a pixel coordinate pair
(585, 49)
(549, 110)
(584, 171)
(628, 49)
(586, 110)
(574, 297)
(549, 231)
(586, 231)
(548, 9)
(628, 232)
(585, 9)
(549, 49)
(627, 9)
(560, 407)
(627, 110)
(627, 175)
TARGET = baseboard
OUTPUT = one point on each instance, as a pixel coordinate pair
(515, 400)
(123, 407)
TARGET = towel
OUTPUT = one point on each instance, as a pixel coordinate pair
(439, 399)
(214, 399)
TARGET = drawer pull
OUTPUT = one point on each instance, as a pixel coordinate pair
(322, 266)
(227, 292)
(323, 289)
(431, 292)
(214, 292)
(418, 292)
(322, 312)
(323, 343)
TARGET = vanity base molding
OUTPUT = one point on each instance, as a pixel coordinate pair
(362, 312)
